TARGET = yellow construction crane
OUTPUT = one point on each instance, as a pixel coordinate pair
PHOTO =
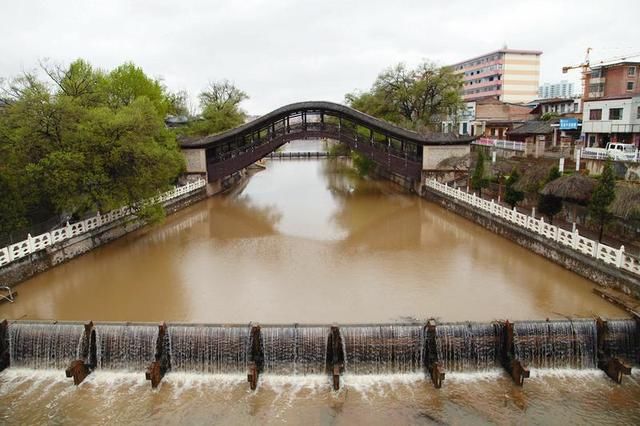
(585, 65)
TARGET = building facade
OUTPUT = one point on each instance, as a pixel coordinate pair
(488, 117)
(612, 104)
(508, 75)
(611, 120)
(564, 89)
(558, 106)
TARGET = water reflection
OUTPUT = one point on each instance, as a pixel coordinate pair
(307, 241)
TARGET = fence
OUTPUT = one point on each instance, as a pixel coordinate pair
(33, 244)
(633, 157)
(501, 144)
(572, 239)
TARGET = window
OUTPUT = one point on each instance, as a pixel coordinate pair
(638, 113)
(631, 71)
(615, 113)
(629, 86)
(595, 114)
(597, 73)
(575, 107)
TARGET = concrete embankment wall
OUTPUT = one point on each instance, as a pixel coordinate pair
(23, 269)
(588, 267)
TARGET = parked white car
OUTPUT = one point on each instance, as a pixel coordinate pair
(615, 151)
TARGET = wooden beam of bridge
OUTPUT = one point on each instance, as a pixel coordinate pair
(393, 149)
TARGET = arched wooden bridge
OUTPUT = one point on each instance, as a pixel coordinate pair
(395, 150)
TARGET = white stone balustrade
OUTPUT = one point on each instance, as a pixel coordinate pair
(501, 144)
(39, 242)
(609, 255)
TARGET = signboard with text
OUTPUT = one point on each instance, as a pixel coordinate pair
(568, 123)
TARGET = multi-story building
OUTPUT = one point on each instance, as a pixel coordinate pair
(564, 89)
(612, 104)
(508, 75)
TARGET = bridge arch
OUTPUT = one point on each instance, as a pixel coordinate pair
(395, 150)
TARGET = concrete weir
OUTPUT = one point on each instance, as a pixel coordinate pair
(430, 348)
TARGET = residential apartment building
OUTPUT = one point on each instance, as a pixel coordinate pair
(564, 89)
(507, 75)
(612, 104)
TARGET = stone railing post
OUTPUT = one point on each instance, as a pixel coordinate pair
(576, 235)
(30, 244)
(620, 259)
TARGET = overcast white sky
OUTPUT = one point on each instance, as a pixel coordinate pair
(282, 51)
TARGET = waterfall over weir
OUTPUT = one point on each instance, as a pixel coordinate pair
(44, 346)
(295, 350)
(623, 340)
(125, 347)
(556, 344)
(468, 346)
(385, 349)
(432, 348)
(209, 349)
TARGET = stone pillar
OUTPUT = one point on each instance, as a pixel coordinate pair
(539, 147)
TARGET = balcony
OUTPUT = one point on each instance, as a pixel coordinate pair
(597, 80)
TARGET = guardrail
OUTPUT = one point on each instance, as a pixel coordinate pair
(596, 155)
(501, 144)
(33, 244)
(571, 239)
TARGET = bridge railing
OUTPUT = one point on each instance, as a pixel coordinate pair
(31, 244)
(612, 256)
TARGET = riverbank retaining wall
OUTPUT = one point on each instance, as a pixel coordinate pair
(588, 267)
(40, 261)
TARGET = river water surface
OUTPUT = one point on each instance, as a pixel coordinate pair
(305, 241)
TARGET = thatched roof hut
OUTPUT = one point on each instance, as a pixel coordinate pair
(627, 202)
(532, 177)
(575, 187)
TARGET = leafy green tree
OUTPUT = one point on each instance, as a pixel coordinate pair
(512, 196)
(220, 104)
(602, 197)
(548, 116)
(548, 204)
(479, 179)
(362, 164)
(128, 82)
(178, 103)
(417, 98)
(220, 95)
(91, 141)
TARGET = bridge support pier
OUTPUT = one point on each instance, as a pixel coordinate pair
(433, 364)
(162, 363)
(256, 357)
(335, 356)
(79, 369)
(516, 368)
(5, 356)
(612, 366)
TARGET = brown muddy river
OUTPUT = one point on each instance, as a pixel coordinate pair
(305, 241)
